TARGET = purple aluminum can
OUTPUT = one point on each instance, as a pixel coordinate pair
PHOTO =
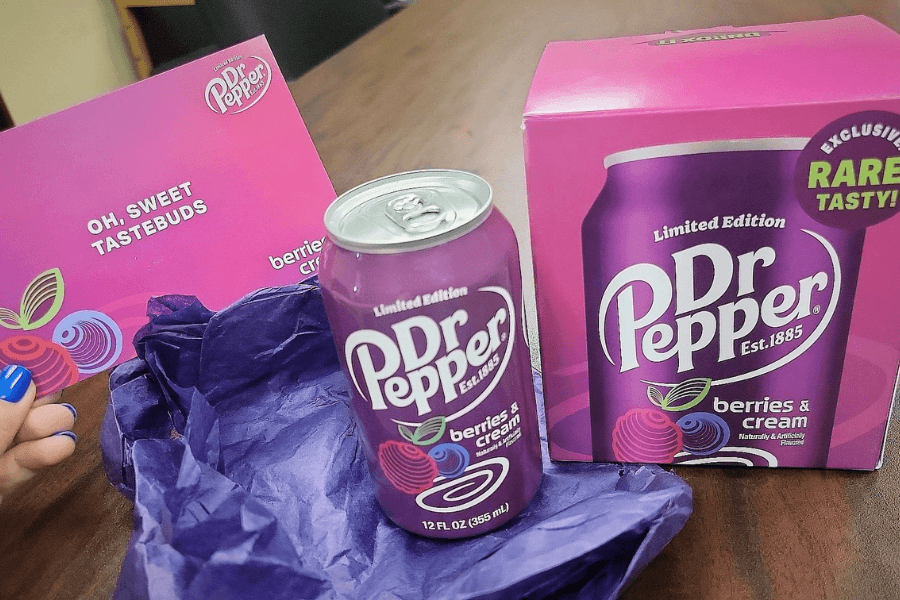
(422, 287)
(717, 310)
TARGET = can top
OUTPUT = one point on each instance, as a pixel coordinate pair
(705, 147)
(408, 211)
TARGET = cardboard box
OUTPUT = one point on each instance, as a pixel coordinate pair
(200, 181)
(714, 230)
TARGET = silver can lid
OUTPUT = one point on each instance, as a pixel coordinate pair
(408, 211)
(704, 147)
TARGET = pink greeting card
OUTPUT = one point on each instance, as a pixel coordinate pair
(202, 180)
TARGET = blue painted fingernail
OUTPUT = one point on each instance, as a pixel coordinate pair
(14, 382)
(69, 434)
(71, 409)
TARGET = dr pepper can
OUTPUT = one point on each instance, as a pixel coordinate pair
(422, 286)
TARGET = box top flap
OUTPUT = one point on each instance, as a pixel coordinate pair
(794, 63)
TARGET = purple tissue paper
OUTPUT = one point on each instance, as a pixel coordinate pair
(232, 433)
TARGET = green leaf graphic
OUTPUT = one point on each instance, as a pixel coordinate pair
(426, 433)
(655, 396)
(685, 395)
(46, 288)
(430, 431)
(9, 319)
(408, 435)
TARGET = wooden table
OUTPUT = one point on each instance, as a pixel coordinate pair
(442, 84)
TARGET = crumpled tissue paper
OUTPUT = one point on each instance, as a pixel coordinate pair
(232, 433)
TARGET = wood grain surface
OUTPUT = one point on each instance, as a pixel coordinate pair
(442, 84)
(64, 533)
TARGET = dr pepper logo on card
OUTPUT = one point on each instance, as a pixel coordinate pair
(240, 82)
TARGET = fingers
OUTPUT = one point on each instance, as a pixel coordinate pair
(47, 420)
(33, 433)
(22, 461)
(16, 399)
(50, 398)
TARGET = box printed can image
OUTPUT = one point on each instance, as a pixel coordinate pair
(718, 333)
(421, 281)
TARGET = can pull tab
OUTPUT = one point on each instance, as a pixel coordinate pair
(412, 213)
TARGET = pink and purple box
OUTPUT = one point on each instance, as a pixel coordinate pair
(714, 234)
(201, 180)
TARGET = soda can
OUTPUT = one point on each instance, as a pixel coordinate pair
(422, 287)
(717, 309)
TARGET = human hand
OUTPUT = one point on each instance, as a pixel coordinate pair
(33, 433)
